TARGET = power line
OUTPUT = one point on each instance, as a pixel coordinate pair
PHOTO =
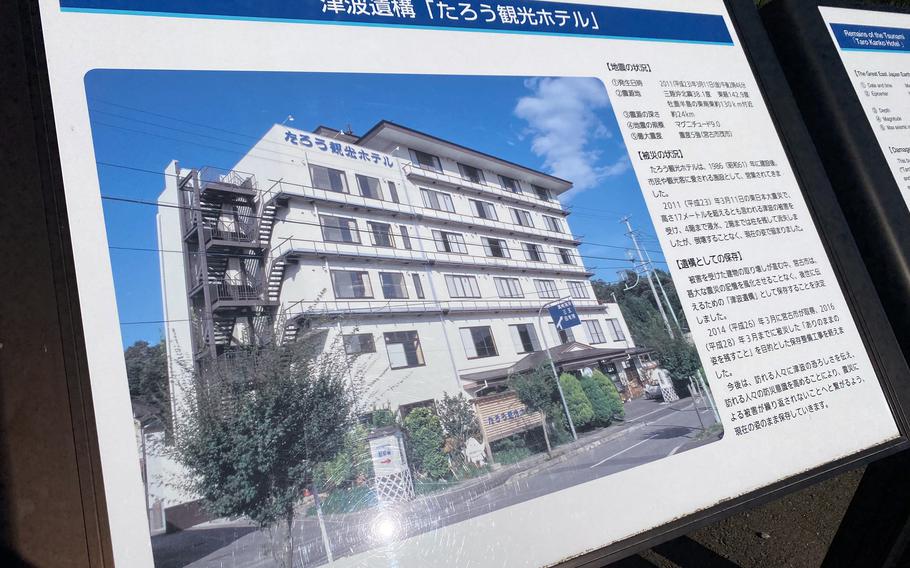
(357, 230)
(235, 133)
(108, 164)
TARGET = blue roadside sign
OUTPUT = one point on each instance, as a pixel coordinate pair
(564, 315)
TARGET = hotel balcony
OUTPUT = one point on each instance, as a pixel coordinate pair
(380, 307)
(415, 172)
(381, 207)
(299, 247)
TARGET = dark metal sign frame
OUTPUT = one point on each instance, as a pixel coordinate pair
(47, 313)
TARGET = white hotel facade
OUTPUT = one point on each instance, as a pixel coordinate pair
(432, 259)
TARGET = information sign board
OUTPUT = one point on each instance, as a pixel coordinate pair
(392, 265)
(847, 66)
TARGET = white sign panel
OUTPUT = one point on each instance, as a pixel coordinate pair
(875, 49)
(481, 124)
(386, 455)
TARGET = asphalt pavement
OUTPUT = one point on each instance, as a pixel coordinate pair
(652, 431)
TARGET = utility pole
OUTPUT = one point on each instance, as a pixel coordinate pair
(666, 297)
(646, 266)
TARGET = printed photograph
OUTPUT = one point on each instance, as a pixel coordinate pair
(356, 308)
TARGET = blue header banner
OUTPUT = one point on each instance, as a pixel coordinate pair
(871, 38)
(509, 16)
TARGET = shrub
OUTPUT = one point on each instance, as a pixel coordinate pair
(600, 402)
(352, 465)
(579, 406)
(606, 384)
(510, 450)
(559, 426)
(382, 417)
(425, 442)
(458, 421)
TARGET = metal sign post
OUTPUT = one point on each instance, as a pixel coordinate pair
(564, 316)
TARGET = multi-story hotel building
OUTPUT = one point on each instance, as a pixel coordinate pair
(435, 257)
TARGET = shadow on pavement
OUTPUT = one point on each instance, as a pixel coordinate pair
(179, 549)
(685, 552)
(674, 432)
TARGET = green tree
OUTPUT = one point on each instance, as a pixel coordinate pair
(537, 391)
(579, 406)
(600, 402)
(425, 442)
(680, 359)
(612, 394)
(146, 373)
(351, 466)
(258, 428)
(456, 415)
(647, 326)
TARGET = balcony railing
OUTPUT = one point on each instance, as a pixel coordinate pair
(236, 232)
(385, 207)
(229, 180)
(316, 308)
(292, 246)
(227, 292)
(483, 187)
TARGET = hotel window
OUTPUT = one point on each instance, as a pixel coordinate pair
(533, 252)
(595, 332)
(565, 335)
(369, 186)
(426, 161)
(546, 288)
(578, 290)
(405, 237)
(393, 286)
(565, 256)
(521, 217)
(351, 285)
(542, 192)
(510, 184)
(339, 229)
(553, 224)
(524, 337)
(478, 342)
(450, 242)
(437, 200)
(393, 192)
(508, 288)
(484, 210)
(328, 179)
(418, 286)
(471, 173)
(616, 330)
(496, 248)
(358, 343)
(404, 349)
(462, 286)
(382, 234)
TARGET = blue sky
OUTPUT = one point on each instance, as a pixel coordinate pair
(143, 119)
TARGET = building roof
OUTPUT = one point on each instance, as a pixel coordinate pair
(336, 133)
(389, 127)
(568, 355)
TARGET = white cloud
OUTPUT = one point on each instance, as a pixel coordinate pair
(562, 124)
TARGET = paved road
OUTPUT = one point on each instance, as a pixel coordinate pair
(656, 430)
